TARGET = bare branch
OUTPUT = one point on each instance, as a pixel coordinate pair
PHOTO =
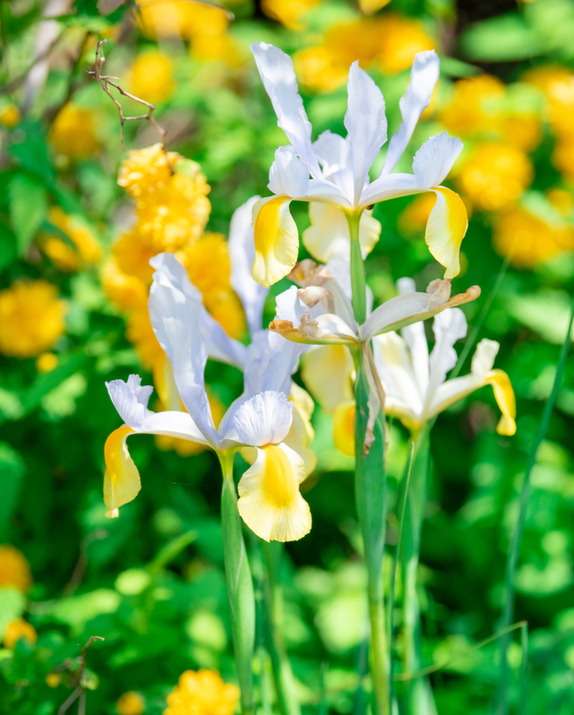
(106, 82)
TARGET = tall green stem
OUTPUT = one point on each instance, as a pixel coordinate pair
(282, 673)
(239, 586)
(358, 283)
(371, 499)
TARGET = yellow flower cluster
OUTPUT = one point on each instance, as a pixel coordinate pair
(63, 255)
(151, 76)
(73, 133)
(130, 703)
(290, 13)
(531, 239)
(389, 42)
(14, 569)
(202, 692)
(557, 86)
(9, 116)
(31, 318)
(203, 24)
(19, 629)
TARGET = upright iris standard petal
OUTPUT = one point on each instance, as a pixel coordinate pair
(424, 76)
(276, 240)
(327, 372)
(328, 237)
(264, 419)
(366, 124)
(242, 254)
(278, 75)
(269, 499)
(121, 480)
(504, 396)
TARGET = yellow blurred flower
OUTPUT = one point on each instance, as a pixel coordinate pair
(557, 84)
(132, 254)
(478, 109)
(140, 333)
(495, 175)
(31, 318)
(63, 255)
(53, 680)
(561, 200)
(9, 116)
(14, 568)
(529, 239)
(563, 157)
(202, 692)
(19, 629)
(226, 308)
(46, 362)
(130, 703)
(160, 19)
(147, 170)
(390, 41)
(371, 6)
(151, 76)
(125, 291)
(73, 133)
(290, 13)
(414, 217)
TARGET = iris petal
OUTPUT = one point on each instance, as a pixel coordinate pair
(445, 230)
(121, 480)
(276, 240)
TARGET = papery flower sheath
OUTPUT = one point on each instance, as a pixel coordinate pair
(270, 501)
(335, 171)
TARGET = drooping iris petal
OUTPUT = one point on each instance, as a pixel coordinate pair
(504, 396)
(276, 240)
(121, 480)
(366, 124)
(328, 235)
(327, 373)
(269, 499)
(445, 230)
(344, 428)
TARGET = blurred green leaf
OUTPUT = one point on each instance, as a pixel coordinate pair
(12, 605)
(502, 38)
(28, 207)
(76, 611)
(12, 470)
(48, 381)
(7, 246)
(32, 154)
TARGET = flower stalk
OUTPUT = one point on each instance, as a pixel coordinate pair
(239, 586)
(358, 283)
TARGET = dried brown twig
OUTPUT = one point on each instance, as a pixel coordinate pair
(78, 683)
(106, 82)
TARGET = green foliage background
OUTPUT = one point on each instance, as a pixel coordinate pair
(151, 583)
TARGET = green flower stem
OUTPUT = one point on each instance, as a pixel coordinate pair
(358, 283)
(417, 690)
(273, 595)
(512, 562)
(371, 499)
(239, 586)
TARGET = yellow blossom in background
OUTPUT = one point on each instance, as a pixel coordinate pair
(31, 318)
(46, 362)
(290, 13)
(125, 291)
(73, 132)
(9, 116)
(132, 255)
(53, 680)
(389, 42)
(130, 703)
(371, 6)
(557, 85)
(561, 200)
(147, 170)
(159, 19)
(14, 568)
(494, 176)
(563, 157)
(151, 76)
(529, 239)
(19, 629)
(202, 692)
(414, 217)
(478, 109)
(140, 332)
(87, 247)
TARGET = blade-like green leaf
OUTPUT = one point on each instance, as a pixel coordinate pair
(28, 207)
(11, 471)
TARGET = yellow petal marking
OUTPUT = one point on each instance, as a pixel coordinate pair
(269, 499)
(344, 428)
(327, 373)
(121, 480)
(504, 396)
(445, 230)
(276, 240)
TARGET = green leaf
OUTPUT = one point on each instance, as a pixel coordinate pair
(46, 382)
(501, 39)
(12, 470)
(32, 154)
(28, 207)
(7, 247)
(12, 605)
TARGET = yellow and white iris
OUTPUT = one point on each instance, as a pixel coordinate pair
(335, 171)
(262, 418)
